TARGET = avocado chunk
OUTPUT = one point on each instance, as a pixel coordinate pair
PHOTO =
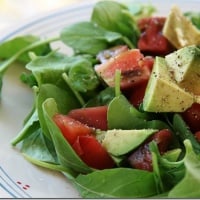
(162, 93)
(179, 30)
(118, 142)
(185, 65)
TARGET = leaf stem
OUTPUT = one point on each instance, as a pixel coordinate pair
(117, 82)
(78, 96)
(4, 66)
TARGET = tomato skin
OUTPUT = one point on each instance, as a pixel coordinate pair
(71, 128)
(141, 157)
(192, 117)
(136, 94)
(92, 152)
(151, 40)
(95, 117)
(163, 139)
(197, 136)
(130, 63)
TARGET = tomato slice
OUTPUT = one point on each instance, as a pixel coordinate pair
(92, 153)
(197, 136)
(136, 95)
(192, 117)
(95, 117)
(151, 40)
(71, 128)
(141, 157)
(130, 64)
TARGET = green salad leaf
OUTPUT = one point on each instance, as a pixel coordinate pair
(116, 183)
(116, 19)
(66, 155)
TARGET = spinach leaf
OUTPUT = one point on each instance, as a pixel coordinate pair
(70, 174)
(79, 37)
(83, 77)
(194, 17)
(36, 146)
(49, 68)
(103, 98)
(31, 125)
(182, 132)
(11, 47)
(139, 11)
(64, 98)
(188, 187)
(167, 173)
(116, 183)
(19, 52)
(28, 78)
(66, 155)
(122, 115)
(116, 19)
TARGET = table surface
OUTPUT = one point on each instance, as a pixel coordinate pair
(14, 12)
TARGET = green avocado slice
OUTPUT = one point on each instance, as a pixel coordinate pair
(185, 64)
(162, 93)
(119, 142)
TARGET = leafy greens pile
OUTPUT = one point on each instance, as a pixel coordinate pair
(62, 83)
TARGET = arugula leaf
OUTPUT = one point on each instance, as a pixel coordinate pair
(79, 37)
(116, 183)
(188, 187)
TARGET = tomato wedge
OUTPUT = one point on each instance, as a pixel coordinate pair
(95, 117)
(192, 117)
(71, 128)
(92, 152)
(152, 41)
(130, 64)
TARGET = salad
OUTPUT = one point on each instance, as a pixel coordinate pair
(119, 117)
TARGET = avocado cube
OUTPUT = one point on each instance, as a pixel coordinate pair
(162, 93)
(185, 66)
(118, 142)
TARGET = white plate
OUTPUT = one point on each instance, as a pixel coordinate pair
(18, 177)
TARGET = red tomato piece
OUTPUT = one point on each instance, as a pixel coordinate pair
(151, 40)
(141, 157)
(192, 117)
(95, 117)
(137, 94)
(197, 136)
(130, 63)
(92, 152)
(71, 128)
(163, 138)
